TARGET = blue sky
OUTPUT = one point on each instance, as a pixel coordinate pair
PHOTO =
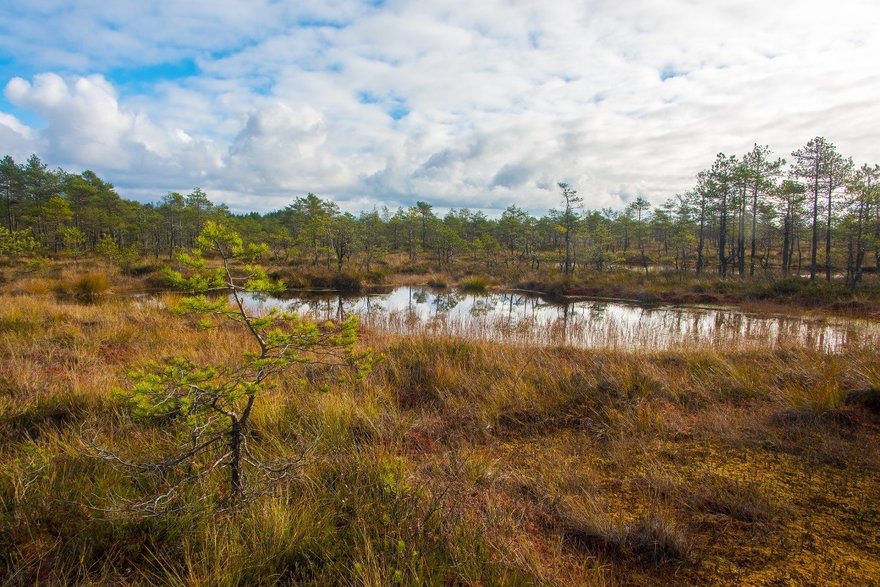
(458, 103)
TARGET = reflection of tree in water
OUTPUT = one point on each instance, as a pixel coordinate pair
(519, 315)
(328, 304)
(373, 305)
(259, 297)
(584, 323)
(482, 306)
(596, 311)
(340, 309)
(420, 296)
(512, 300)
(308, 306)
(562, 319)
(445, 302)
(323, 307)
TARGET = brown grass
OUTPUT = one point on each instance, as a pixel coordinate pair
(459, 463)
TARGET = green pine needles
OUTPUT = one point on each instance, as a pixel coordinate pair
(208, 406)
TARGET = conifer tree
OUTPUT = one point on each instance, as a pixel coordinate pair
(210, 406)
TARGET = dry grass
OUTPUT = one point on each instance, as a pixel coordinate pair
(458, 463)
(475, 284)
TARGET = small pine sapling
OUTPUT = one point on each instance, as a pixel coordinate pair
(209, 407)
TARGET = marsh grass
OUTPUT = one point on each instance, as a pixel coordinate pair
(476, 284)
(85, 287)
(654, 537)
(89, 286)
(742, 499)
(455, 462)
(819, 393)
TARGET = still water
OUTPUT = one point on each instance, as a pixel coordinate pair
(528, 319)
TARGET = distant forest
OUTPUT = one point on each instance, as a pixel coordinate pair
(816, 214)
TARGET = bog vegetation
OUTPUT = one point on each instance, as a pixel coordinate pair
(180, 438)
(748, 216)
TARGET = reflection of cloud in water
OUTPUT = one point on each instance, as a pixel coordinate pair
(529, 320)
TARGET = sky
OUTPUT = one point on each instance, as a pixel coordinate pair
(458, 103)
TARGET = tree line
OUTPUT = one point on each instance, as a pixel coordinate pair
(816, 214)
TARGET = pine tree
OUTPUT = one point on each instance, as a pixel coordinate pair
(210, 406)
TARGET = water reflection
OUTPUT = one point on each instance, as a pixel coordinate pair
(527, 319)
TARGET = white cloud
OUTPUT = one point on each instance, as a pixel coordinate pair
(286, 148)
(83, 118)
(18, 140)
(459, 103)
(85, 126)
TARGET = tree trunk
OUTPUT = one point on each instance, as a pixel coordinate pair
(236, 483)
(741, 241)
(828, 236)
(700, 244)
(786, 245)
(815, 242)
(754, 229)
(722, 238)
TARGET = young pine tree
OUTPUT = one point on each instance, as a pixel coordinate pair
(210, 406)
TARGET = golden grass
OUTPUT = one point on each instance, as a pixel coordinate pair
(455, 462)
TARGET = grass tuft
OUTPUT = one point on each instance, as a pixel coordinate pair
(28, 421)
(657, 538)
(477, 284)
(86, 287)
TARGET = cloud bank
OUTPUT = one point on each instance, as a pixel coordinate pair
(460, 104)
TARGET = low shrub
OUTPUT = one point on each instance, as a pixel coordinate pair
(376, 275)
(339, 282)
(142, 269)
